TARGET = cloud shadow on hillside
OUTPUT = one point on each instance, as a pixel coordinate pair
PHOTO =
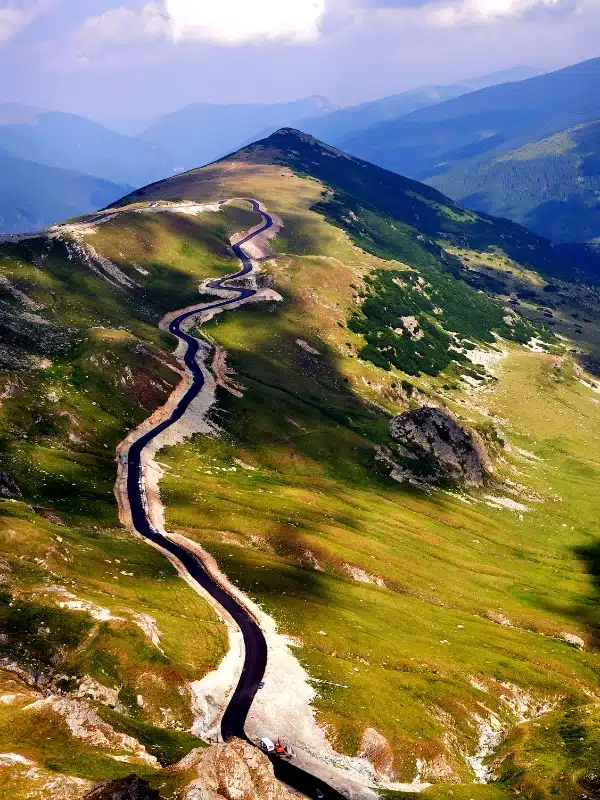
(589, 612)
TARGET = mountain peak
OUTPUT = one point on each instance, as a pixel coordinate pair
(294, 133)
(289, 142)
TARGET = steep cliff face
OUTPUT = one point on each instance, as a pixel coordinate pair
(436, 448)
(234, 770)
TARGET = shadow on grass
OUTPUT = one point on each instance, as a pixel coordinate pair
(589, 612)
(307, 431)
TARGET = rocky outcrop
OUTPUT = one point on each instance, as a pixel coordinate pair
(129, 788)
(435, 448)
(234, 770)
(8, 486)
(85, 723)
(376, 749)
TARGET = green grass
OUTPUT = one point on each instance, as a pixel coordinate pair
(59, 424)
(168, 746)
(43, 737)
(436, 301)
(445, 568)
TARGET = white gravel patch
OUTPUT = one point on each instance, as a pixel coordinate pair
(593, 385)
(19, 295)
(15, 758)
(97, 612)
(210, 695)
(489, 359)
(537, 345)
(505, 502)
(150, 627)
(84, 723)
(359, 574)
(573, 639)
(521, 707)
(490, 734)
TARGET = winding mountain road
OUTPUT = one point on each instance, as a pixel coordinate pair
(234, 718)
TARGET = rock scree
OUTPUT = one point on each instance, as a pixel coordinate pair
(129, 788)
(435, 448)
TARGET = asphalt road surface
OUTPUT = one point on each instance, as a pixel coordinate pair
(234, 718)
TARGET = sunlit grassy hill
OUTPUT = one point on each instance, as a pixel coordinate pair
(551, 184)
(462, 626)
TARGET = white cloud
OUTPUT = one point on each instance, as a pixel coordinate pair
(221, 21)
(121, 25)
(482, 12)
(12, 19)
(239, 21)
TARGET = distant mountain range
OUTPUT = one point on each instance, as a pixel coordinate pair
(551, 185)
(72, 142)
(202, 132)
(56, 165)
(35, 196)
(336, 126)
(513, 143)
(497, 150)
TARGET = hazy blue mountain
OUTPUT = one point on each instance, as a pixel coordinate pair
(485, 123)
(339, 123)
(203, 132)
(518, 73)
(72, 142)
(34, 195)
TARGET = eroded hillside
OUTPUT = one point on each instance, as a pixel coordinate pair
(450, 634)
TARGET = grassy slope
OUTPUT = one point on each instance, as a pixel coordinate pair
(72, 387)
(550, 185)
(403, 651)
(315, 496)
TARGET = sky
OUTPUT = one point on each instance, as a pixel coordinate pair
(132, 60)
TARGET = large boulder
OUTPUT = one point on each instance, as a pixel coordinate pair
(129, 788)
(233, 770)
(435, 448)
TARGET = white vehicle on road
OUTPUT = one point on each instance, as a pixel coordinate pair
(267, 745)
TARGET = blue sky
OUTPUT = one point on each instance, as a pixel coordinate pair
(136, 58)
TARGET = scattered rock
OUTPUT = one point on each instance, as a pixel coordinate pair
(92, 689)
(501, 619)
(86, 724)
(359, 574)
(8, 486)
(129, 788)
(50, 515)
(494, 501)
(305, 346)
(573, 639)
(436, 448)
(439, 769)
